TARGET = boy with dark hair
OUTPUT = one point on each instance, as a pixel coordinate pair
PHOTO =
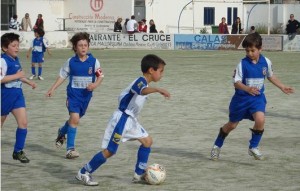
(38, 47)
(123, 124)
(249, 101)
(12, 98)
(85, 76)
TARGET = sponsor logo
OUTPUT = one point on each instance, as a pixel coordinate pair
(90, 70)
(140, 85)
(117, 138)
(96, 5)
(264, 71)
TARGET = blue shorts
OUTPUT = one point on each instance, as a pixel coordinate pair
(37, 57)
(11, 98)
(78, 106)
(243, 107)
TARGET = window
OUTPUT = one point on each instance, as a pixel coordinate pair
(209, 16)
(231, 15)
(8, 9)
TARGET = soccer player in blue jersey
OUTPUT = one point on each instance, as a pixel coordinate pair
(85, 75)
(38, 47)
(123, 124)
(249, 101)
(12, 98)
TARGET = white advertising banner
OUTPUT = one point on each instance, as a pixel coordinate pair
(134, 41)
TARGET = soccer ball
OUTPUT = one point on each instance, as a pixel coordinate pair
(155, 174)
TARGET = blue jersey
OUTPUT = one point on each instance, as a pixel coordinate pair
(11, 92)
(243, 105)
(10, 66)
(253, 75)
(131, 100)
(80, 75)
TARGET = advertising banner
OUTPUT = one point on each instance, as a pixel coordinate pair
(133, 41)
(221, 42)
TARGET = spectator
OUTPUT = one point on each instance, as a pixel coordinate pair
(124, 29)
(142, 26)
(237, 27)
(152, 28)
(14, 24)
(223, 28)
(252, 29)
(39, 22)
(26, 22)
(131, 25)
(118, 25)
(291, 27)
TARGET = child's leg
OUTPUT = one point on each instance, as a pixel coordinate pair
(258, 129)
(223, 133)
(99, 159)
(33, 69)
(21, 132)
(143, 155)
(3, 119)
(40, 69)
(72, 130)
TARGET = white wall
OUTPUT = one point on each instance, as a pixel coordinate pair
(166, 14)
(51, 11)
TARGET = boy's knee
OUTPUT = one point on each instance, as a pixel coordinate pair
(107, 153)
(147, 142)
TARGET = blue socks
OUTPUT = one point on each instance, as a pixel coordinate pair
(40, 71)
(142, 159)
(256, 137)
(71, 134)
(221, 138)
(33, 70)
(20, 139)
(94, 164)
(64, 129)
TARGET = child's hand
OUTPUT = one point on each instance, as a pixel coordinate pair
(49, 93)
(253, 91)
(20, 74)
(165, 93)
(91, 87)
(287, 90)
(32, 84)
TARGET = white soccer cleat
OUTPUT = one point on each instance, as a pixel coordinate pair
(255, 153)
(138, 178)
(71, 154)
(31, 77)
(215, 153)
(86, 179)
(40, 78)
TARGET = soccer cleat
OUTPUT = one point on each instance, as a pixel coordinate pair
(255, 153)
(59, 141)
(215, 152)
(138, 178)
(21, 156)
(71, 154)
(31, 77)
(86, 179)
(40, 78)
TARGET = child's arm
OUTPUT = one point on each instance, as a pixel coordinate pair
(20, 74)
(149, 90)
(57, 83)
(97, 83)
(251, 90)
(285, 89)
(29, 82)
(48, 50)
(29, 51)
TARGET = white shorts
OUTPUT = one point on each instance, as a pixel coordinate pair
(132, 130)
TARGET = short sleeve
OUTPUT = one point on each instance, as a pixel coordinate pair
(270, 69)
(65, 69)
(238, 73)
(139, 85)
(3, 68)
